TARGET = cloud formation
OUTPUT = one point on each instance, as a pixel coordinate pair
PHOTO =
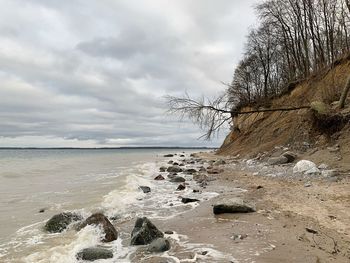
(94, 73)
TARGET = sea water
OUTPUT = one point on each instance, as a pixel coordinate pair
(83, 181)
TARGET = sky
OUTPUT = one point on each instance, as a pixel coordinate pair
(94, 73)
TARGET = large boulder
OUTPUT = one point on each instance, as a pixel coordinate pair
(174, 169)
(144, 232)
(177, 179)
(306, 167)
(111, 233)
(61, 221)
(235, 205)
(159, 245)
(94, 253)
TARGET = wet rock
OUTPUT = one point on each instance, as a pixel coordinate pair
(144, 232)
(181, 187)
(159, 178)
(159, 245)
(94, 253)
(305, 166)
(99, 219)
(145, 189)
(277, 160)
(60, 222)
(172, 175)
(178, 179)
(169, 155)
(235, 205)
(190, 171)
(162, 169)
(186, 200)
(174, 169)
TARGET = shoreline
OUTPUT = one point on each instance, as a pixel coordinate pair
(292, 223)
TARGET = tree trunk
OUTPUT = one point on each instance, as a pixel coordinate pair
(344, 94)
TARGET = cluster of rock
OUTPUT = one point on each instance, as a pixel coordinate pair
(144, 233)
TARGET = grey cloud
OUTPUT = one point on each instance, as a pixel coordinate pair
(97, 71)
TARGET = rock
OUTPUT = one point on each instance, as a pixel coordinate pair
(175, 163)
(333, 149)
(159, 245)
(305, 166)
(308, 184)
(215, 171)
(235, 205)
(162, 169)
(277, 160)
(181, 164)
(99, 219)
(169, 232)
(259, 187)
(174, 169)
(219, 162)
(190, 171)
(181, 187)
(172, 175)
(159, 178)
(290, 156)
(330, 173)
(94, 253)
(178, 179)
(42, 210)
(169, 155)
(202, 169)
(145, 189)
(60, 222)
(323, 166)
(186, 200)
(144, 232)
(195, 191)
(171, 162)
(182, 155)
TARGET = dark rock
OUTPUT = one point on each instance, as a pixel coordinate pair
(186, 200)
(178, 179)
(144, 232)
(310, 230)
(181, 187)
(181, 164)
(202, 169)
(259, 187)
(182, 155)
(215, 171)
(219, 162)
(234, 205)
(169, 232)
(277, 160)
(174, 169)
(60, 222)
(99, 219)
(190, 171)
(169, 155)
(290, 156)
(145, 189)
(162, 169)
(42, 210)
(172, 175)
(159, 245)
(175, 163)
(171, 162)
(94, 253)
(195, 191)
(159, 177)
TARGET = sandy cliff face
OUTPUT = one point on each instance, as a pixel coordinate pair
(259, 132)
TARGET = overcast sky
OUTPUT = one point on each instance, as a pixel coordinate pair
(90, 73)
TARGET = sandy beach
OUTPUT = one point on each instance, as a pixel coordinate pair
(293, 222)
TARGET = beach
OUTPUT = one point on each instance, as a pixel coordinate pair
(291, 222)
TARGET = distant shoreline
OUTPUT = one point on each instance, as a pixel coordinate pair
(105, 148)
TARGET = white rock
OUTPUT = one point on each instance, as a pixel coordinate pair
(323, 166)
(305, 166)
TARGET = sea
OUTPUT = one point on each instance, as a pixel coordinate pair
(36, 184)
